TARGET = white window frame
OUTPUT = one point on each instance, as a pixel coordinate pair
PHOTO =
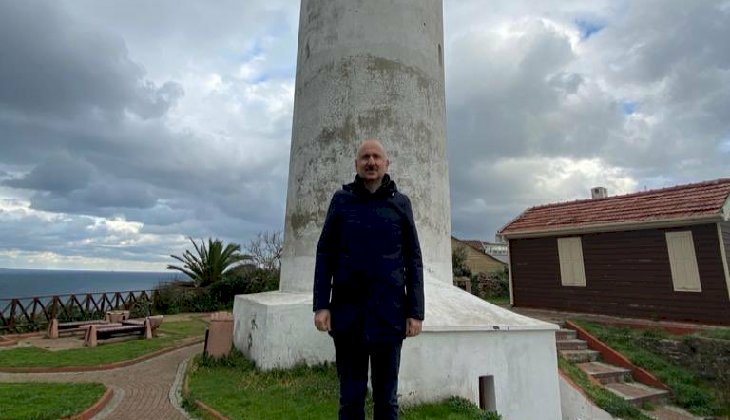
(683, 261)
(572, 266)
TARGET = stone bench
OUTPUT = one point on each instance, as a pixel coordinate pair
(155, 321)
(55, 328)
(94, 333)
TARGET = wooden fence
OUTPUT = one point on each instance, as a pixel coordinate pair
(33, 313)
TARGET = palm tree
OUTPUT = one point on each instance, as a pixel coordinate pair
(210, 263)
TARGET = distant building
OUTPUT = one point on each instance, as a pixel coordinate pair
(497, 250)
(477, 260)
(659, 254)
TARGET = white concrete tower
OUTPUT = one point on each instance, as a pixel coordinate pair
(367, 69)
(375, 69)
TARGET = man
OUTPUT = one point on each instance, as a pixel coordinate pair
(369, 261)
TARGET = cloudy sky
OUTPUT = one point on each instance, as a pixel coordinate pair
(126, 126)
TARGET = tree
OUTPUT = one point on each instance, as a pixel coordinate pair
(208, 263)
(265, 250)
(458, 262)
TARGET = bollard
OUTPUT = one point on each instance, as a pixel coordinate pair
(220, 335)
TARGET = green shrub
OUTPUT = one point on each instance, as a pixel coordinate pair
(490, 285)
(176, 297)
(140, 309)
(458, 262)
(244, 280)
(180, 296)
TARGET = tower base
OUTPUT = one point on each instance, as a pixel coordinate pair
(469, 348)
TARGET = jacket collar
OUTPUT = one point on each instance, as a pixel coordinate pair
(387, 188)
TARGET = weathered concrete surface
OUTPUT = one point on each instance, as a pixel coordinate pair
(276, 330)
(367, 69)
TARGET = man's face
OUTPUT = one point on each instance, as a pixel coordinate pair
(371, 163)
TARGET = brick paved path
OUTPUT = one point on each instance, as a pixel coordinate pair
(141, 391)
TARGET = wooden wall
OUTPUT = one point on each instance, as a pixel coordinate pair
(725, 228)
(627, 274)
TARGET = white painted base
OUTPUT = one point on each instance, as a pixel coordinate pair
(576, 406)
(464, 338)
(276, 330)
(437, 365)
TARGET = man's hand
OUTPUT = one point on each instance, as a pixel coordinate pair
(322, 320)
(413, 327)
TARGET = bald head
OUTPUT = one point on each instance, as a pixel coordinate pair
(371, 163)
(372, 144)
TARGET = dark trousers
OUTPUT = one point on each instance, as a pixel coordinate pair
(352, 369)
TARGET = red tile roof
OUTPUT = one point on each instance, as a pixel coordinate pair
(703, 200)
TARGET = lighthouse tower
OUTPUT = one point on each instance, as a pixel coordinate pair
(375, 69)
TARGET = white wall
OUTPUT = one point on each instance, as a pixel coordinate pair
(464, 337)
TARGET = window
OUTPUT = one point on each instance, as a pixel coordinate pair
(683, 262)
(572, 270)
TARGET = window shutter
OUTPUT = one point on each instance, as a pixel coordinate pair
(572, 269)
(683, 262)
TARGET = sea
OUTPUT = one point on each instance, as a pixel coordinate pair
(24, 283)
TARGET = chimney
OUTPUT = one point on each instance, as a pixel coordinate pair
(599, 192)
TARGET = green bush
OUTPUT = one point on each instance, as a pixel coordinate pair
(490, 285)
(244, 280)
(140, 309)
(176, 297)
(181, 296)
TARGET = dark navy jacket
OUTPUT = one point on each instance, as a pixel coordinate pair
(369, 271)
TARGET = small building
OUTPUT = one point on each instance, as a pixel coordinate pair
(477, 260)
(658, 254)
(496, 249)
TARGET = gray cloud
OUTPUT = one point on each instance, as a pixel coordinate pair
(646, 95)
(52, 66)
(89, 134)
(59, 173)
(126, 126)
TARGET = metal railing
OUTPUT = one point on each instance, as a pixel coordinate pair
(33, 313)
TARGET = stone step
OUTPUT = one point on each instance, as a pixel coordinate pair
(572, 344)
(580, 356)
(565, 334)
(637, 393)
(605, 373)
(670, 412)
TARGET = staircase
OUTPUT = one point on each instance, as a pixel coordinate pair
(616, 379)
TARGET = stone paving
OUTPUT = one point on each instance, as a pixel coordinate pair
(141, 391)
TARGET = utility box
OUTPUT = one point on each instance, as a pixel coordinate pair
(219, 336)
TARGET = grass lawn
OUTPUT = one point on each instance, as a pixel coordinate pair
(170, 334)
(501, 300)
(238, 390)
(717, 333)
(689, 391)
(46, 400)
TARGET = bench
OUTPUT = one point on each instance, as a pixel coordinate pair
(155, 321)
(94, 333)
(55, 328)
